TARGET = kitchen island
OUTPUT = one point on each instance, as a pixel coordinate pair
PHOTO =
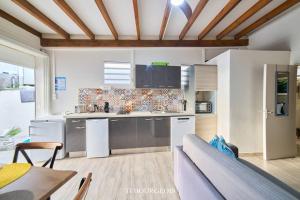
(126, 131)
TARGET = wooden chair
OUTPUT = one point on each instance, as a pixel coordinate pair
(83, 187)
(37, 145)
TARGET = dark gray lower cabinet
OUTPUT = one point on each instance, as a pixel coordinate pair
(75, 135)
(139, 132)
(122, 133)
(145, 132)
(162, 131)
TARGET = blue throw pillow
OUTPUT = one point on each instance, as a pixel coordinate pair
(224, 148)
(214, 141)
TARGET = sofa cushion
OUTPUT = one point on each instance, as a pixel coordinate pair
(224, 148)
(214, 141)
(232, 179)
(190, 182)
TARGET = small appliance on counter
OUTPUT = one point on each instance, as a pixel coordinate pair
(184, 102)
(203, 107)
(106, 107)
(80, 108)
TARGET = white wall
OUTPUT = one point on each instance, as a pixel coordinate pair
(14, 113)
(281, 34)
(240, 95)
(223, 94)
(84, 68)
(246, 95)
(12, 31)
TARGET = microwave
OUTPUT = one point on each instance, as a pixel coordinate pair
(203, 107)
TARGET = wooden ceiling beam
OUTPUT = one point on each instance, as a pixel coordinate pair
(267, 17)
(137, 19)
(70, 12)
(20, 24)
(165, 19)
(225, 11)
(198, 9)
(45, 42)
(24, 4)
(106, 17)
(249, 13)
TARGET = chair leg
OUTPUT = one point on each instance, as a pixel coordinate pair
(53, 157)
(26, 156)
(81, 183)
(15, 159)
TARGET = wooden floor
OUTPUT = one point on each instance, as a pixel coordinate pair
(286, 170)
(131, 177)
(149, 176)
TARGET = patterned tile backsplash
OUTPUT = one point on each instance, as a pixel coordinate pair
(139, 99)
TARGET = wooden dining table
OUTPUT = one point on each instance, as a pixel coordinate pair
(38, 183)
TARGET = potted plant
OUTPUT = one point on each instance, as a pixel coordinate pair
(7, 141)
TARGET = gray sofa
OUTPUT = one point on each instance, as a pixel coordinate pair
(202, 172)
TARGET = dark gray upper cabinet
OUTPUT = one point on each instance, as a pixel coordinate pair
(143, 76)
(158, 77)
(173, 77)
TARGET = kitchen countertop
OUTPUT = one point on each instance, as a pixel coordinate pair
(132, 114)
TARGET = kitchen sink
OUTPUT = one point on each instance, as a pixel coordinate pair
(164, 112)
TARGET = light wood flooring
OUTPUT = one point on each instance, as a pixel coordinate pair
(132, 177)
(149, 176)
(286, 170)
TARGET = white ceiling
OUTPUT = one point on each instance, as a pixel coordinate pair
(122, 15)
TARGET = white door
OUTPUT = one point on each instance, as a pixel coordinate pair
(279, 116)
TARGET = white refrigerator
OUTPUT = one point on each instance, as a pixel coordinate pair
(97, 139)
(47, 131)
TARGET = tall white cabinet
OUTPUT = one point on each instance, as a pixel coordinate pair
(240, 95)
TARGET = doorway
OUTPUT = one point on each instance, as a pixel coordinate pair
(17, 102)
(279, 113)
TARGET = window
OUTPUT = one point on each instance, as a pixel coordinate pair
(116, 73)
(185, 75)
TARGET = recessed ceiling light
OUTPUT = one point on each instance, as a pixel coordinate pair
(176, 2)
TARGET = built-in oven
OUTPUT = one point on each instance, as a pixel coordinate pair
(203, 107)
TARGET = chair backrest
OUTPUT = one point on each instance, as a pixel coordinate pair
(83, 187)
(37, 145)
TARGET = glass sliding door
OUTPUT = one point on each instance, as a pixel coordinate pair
(17, 104)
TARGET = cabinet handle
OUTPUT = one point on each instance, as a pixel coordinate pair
(158, 119)
(148, 119)
(114, 120)
(34, 134)
(146, 85)
(183, 118)
(80, 127)
(170, 86)
(75, 121)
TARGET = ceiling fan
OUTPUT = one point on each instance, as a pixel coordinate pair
(184, 7)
